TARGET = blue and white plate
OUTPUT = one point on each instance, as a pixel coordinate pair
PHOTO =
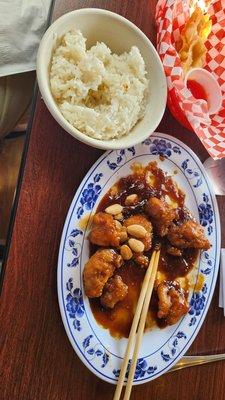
(161, 348)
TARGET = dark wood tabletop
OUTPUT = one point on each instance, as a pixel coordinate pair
(37, 361)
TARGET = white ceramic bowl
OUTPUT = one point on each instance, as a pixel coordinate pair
(120, 35)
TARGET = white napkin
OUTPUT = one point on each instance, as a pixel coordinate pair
(22, 24)
(222, 281)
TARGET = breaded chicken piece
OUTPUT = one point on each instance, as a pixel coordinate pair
(141, 260)
(161, 213)
(188, 234)
(139, 219)
(104, 231)
(172, 302)
(114, 290)
(99, 268)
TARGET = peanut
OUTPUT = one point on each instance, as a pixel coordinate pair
(126, 252)
(118, 225)
(119, 217)
(123, 234)
(136, 245)
(131, 199)
(114, 209)
(136, 231)
(113, 191)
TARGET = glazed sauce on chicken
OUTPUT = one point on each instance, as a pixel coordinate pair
(119, 319)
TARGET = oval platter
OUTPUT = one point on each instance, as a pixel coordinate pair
(161, 348)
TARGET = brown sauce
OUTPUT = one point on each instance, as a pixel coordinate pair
(176, 267)
(119, 319)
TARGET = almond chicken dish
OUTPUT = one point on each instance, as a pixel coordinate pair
(142, 209)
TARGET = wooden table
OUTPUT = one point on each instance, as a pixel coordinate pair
(37, 360)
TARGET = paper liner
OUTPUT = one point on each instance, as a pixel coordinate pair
(170, 18)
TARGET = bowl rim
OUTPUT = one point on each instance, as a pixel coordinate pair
(110, 144)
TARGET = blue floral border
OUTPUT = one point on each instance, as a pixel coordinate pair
(204, 217)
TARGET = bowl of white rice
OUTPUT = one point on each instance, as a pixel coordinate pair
(101, 78)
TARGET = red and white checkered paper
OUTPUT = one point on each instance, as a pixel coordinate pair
(170, 18)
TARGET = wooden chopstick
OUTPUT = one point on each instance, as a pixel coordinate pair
(133, 329)
(134, 325)
(141, 327)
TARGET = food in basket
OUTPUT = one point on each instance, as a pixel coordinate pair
(151, 209)
(101, 94)
(191, 44)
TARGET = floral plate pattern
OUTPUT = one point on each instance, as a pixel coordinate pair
(161, 349)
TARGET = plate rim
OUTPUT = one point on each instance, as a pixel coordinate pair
(73, 343)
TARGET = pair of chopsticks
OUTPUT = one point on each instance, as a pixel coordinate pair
(139, 318)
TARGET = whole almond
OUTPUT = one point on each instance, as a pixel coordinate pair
(131, 199)
(126, 252)
(136, 231)
(136, 245)
(114, 209)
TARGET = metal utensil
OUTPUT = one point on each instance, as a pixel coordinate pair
(216, 171)
(191, 361)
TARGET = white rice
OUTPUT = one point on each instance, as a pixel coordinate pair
(101, 94)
